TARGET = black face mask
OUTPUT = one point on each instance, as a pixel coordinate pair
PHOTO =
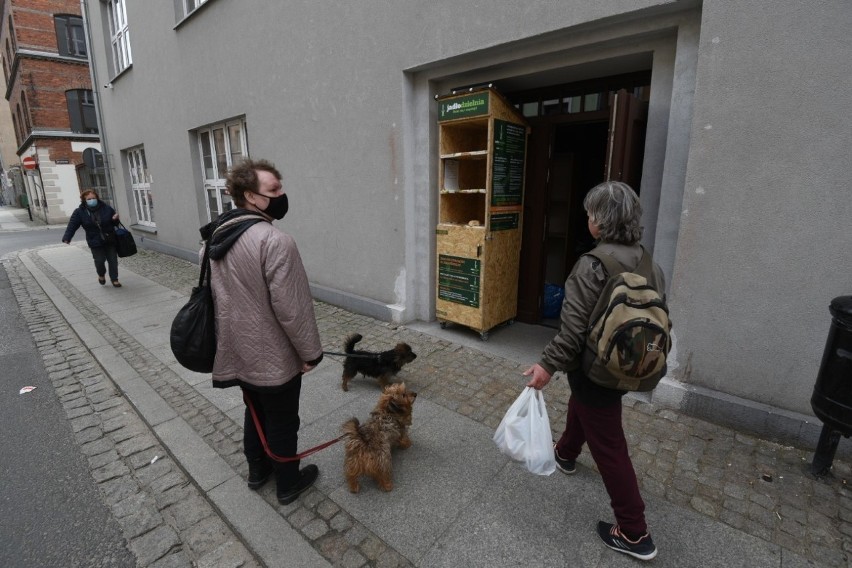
(278, 206)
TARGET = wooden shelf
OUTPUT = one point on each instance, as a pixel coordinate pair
(470, 135)
(477, 264)
(476, 155)
(463, 174)
(465, 225)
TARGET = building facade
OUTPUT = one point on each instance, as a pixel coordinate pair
(49, 91)
(734, 141)
(9, 163)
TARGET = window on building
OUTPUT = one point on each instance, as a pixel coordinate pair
(94, 179)
(21, 122)
(140, 183)
(191, 5)
(9, 52)
(81, 111)
(26, 110)
(70, 37)
(5, 71)
(220, 147)
(12, 33)
(120, 35)
(17, 132)
(589, 102)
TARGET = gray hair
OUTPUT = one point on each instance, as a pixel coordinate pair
(614, 208)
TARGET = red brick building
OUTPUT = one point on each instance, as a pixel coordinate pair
(45, 62)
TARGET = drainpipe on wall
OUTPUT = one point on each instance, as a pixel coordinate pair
(94, 79)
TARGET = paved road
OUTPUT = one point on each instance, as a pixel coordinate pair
(11, 241)
(51, 513)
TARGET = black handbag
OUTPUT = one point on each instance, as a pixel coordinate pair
(124, 243)
(193, 334)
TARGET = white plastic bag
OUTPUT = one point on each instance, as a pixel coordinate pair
(524, 433)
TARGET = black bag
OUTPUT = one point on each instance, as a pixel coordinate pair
(193, 334)
(124, 243)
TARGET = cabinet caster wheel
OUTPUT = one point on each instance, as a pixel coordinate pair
(510, 322)
(484, 336)
(443, 325)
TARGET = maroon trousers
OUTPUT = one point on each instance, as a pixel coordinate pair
(601, 429)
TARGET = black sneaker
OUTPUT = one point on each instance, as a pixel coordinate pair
(565, 466)
(643, 548)
(307, 476)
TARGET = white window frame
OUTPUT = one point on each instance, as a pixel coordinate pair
(120, 35)
(190, 6)
(216, 164)
(140, 182)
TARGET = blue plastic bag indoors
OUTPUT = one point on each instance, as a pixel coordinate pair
(552, 305)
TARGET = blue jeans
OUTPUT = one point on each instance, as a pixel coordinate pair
(106, 254)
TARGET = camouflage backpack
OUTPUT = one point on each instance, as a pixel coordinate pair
(628, 335)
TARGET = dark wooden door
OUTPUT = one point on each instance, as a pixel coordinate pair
(532, 251)
(626, 145)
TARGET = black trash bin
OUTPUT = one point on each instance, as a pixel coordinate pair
(832, 397)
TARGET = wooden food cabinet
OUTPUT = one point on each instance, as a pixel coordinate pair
(482, 153)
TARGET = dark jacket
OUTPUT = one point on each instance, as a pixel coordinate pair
(582, 291)
(97, 223)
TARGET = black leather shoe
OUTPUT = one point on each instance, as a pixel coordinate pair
(307, 476)
(260, 471)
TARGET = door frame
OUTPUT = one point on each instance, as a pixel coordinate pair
(621, 158)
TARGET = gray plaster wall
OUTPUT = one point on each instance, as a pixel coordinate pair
(322, 86)
(748, 131)
(764, 240)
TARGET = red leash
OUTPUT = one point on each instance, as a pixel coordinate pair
(269, 453)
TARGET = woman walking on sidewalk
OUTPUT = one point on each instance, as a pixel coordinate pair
(98, 220)
(594, 412)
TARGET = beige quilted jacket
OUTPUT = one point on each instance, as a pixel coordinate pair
(265, 323)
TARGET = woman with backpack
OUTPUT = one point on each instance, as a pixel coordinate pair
(98, 221)
(594, 411)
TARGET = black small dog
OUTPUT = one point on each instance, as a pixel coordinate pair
(381, 366)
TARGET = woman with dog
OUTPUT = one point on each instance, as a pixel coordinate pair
(98, 221)
(594, 412)
(266, 331)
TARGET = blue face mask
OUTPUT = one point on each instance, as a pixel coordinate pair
(91, 202)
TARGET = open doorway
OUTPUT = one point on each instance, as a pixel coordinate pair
(581, 135)
(576, 164)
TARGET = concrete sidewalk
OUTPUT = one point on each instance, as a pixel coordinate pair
(714, 497)
(17, 219)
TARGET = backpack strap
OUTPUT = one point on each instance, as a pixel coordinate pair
(614, 267)
(611, 265)
(646, 265)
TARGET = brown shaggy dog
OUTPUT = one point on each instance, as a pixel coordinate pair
(382, 365)
(368, 445)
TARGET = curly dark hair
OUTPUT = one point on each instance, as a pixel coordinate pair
(243, 178)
